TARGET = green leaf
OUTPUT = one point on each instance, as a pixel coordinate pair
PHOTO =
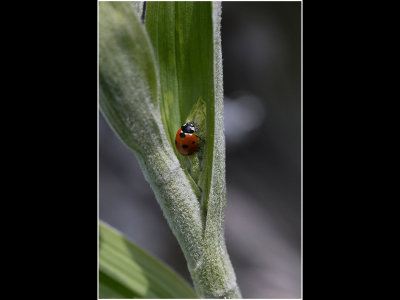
(128, 78)
(181, 34)
(127, 271)
(182, 37)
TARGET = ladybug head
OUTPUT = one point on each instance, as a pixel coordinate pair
(188, 127)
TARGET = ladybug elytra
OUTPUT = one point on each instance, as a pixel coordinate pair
(186, 141)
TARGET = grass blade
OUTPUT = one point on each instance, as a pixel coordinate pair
(127, 271)
(182, 37)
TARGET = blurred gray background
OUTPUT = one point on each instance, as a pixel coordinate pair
(261, 44)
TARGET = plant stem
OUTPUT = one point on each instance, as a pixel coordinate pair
(208, 262)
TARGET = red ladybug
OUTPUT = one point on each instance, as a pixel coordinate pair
(186, 142)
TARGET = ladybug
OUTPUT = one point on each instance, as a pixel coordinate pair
(186, 142)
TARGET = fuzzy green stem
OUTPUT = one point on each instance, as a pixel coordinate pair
(130, 92)
(208, 263)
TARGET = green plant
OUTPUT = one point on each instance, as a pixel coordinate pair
(153, 77)
(126, 271)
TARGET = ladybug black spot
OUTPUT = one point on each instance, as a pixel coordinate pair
(182, 135)
(185, 146)
(193, 142)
